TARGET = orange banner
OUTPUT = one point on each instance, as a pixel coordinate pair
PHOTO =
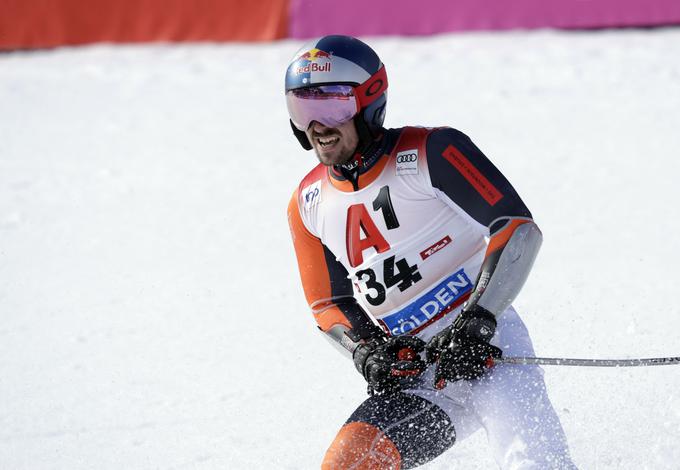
(49, 23)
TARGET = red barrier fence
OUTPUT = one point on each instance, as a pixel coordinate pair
(48, 23)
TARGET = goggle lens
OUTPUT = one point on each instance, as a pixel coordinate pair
(331, 105)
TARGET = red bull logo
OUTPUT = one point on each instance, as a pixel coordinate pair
(313, 56)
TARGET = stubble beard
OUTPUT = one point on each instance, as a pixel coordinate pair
(343, 155)
(339, 152)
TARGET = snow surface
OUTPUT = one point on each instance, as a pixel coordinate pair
(150, 309)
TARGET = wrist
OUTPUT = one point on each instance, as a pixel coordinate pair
(362, 351)
(475, 322)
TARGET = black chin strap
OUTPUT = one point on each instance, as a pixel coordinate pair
(362, 161)
(352, 175)
(301, 136)
(366, 137)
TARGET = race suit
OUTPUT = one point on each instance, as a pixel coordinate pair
(399, 250)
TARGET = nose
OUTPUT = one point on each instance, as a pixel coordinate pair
(318, 128)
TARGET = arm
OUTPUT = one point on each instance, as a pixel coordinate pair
(460, 171)
(463, 174)
(385, 363)
(327, 289)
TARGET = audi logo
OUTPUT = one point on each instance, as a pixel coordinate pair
(407, 158)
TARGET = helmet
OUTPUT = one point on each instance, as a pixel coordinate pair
(332, 80)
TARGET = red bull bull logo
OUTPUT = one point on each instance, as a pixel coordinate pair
(313, 56)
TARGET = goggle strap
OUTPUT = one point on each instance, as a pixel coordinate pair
(372, 88)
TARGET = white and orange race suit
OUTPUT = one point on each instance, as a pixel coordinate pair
(403, 245)
(397, 248)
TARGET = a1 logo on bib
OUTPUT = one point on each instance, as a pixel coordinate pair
(407, 162)
(311, 195)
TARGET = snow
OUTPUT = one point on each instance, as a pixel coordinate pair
(151, 312)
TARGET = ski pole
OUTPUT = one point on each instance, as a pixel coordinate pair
(562, 361)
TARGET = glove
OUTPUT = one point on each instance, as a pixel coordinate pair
(462, 350)
(387, 364)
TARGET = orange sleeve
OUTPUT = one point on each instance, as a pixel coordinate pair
(314, 273)
(499, 239)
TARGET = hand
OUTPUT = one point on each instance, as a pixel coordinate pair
(386, 363)
(462, 350)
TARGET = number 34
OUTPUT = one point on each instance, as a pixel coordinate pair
(404, 278)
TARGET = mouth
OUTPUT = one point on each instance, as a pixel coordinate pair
(327, 142)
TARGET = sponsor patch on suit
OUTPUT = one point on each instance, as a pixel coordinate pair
(311, 195)
(407, 162)
(438, 301)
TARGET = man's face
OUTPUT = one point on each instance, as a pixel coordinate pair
(333, 145)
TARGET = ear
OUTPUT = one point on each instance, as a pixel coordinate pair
(301, 137)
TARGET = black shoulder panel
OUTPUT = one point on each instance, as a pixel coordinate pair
(462, 172)
(341, 286)
(343, 297)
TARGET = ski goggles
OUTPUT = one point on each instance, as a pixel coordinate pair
(331, 105)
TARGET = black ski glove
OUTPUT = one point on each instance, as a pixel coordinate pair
(388, 364)
(462, 350)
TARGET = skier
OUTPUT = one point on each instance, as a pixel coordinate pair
(411, 246)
